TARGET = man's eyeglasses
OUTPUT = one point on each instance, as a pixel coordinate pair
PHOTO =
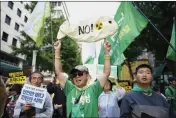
(36, 79)
(79, 74)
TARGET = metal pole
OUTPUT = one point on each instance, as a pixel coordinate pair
(154, 27)
(52, 38)
(34, 55)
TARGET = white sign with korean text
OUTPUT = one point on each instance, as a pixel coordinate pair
(34, 95)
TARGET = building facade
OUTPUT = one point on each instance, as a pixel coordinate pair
(60, 10)
(13, 18)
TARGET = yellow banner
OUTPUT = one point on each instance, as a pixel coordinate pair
(126, 86)
(123, 84)
(16, 78)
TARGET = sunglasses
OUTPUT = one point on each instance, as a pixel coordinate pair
(79, 74)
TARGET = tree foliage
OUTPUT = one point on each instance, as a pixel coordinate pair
(30, 7)
(69, 52)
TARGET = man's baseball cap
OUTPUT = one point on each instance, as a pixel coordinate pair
(81, 68)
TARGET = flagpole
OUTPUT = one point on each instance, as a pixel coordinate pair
(52, 36)
(34, 56)
(175, 27)
(154, 26)
(175, 30)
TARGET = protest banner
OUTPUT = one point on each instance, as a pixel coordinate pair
(34, 95)
(16, 77)
(89, 30)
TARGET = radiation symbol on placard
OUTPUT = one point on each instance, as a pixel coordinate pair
(99, 25)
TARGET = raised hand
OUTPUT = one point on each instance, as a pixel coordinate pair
(57, 45)
(107, 47)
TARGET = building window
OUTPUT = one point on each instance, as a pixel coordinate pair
(59, 3)
(19, 12)
(10, 4)
(5, 36)
(56, 4)
(17, 26)
(14, 42)
(7, 20)
(25, 19)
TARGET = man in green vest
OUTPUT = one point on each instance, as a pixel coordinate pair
(171, 95)
(82, 97)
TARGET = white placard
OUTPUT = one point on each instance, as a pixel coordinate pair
(113, 70)
(34, 95)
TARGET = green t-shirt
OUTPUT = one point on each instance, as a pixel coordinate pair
(88, 100)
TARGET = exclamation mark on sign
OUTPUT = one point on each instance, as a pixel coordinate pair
(91, 27)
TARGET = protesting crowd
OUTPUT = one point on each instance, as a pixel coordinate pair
(75, 96)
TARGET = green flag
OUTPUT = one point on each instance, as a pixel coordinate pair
(171, 54)
(35, 25)
(90, 60)
(119, 69)
(130, 23)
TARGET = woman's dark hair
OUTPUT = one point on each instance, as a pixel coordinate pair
(16, 87)
(34, 73)
(110, 84)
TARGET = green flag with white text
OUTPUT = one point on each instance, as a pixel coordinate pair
(171, 54)
(36, 23)
(130, 23)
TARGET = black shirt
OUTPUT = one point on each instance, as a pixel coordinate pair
(59, 98)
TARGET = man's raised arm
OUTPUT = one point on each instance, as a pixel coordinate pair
(58, 66)
(107, 64)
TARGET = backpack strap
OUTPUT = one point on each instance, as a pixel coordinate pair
(76, 102)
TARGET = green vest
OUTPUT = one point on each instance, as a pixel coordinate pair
(171, 92)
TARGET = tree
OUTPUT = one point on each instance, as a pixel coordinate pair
(30, 7)
(69, 52)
